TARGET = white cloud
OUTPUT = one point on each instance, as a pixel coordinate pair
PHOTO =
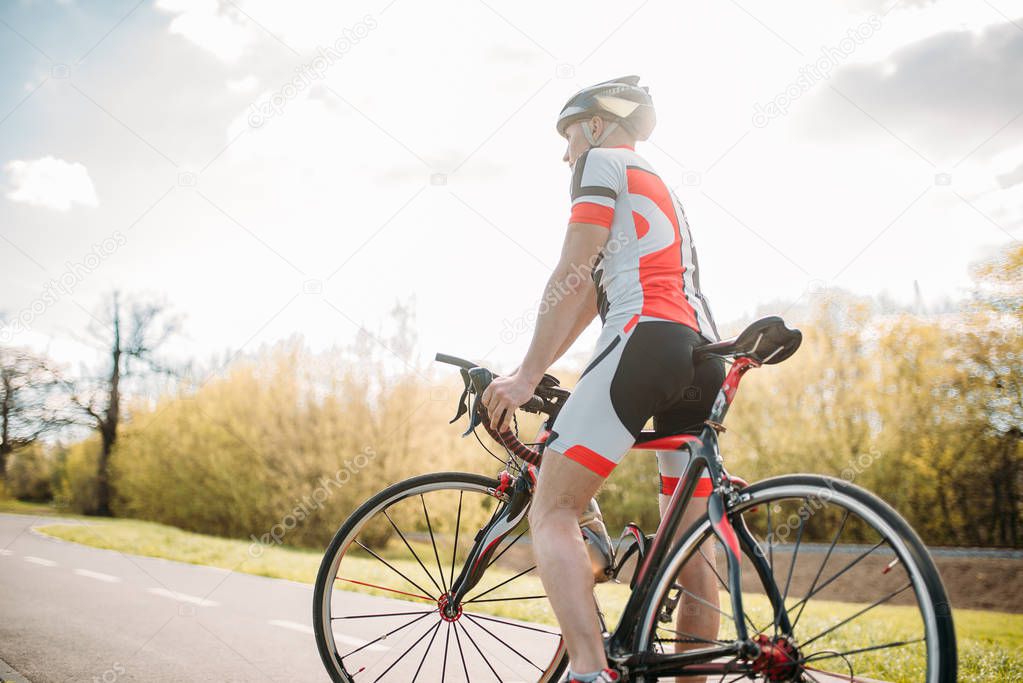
(50, 183)
(204, 23)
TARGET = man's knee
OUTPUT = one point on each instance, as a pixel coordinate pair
(544, 518)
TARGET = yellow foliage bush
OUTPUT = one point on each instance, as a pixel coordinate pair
(29, 473)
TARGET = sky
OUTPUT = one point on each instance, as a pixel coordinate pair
(272, 169)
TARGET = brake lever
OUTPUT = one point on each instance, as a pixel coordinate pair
(479, 380)
(463, 402)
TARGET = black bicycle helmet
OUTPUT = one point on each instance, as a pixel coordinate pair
(620, 99)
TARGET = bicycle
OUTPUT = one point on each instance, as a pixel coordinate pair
(375, 595)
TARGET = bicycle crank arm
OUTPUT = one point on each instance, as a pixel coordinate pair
(507, 516)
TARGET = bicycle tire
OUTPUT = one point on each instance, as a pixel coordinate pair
(910, 550)
(334, 554)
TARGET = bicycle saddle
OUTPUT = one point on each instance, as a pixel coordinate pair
(766, 341)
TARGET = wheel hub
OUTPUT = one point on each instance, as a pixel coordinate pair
(778, 659)
(448, 612)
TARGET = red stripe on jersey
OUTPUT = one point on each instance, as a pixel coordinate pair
(593, 214)
(632, 323)
(661, 273)
(591, 460)
(642, 225)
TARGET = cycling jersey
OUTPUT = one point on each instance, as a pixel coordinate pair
(648, 268)
(654, 314)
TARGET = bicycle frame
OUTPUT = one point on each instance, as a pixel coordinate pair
(705, 455)
(516, 493)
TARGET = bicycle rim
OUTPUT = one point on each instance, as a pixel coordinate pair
(861, 592)
(377, 602)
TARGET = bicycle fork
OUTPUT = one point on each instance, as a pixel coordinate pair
(732, 537)
(516, 495)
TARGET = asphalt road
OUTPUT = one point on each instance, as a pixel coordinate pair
(74, 613)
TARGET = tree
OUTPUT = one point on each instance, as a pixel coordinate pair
(992, 348)
(29, 401)
(132, 334)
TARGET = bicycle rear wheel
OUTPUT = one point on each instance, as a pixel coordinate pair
(377, 605)
(862, 596)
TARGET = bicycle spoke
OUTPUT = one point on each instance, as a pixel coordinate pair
(414, 554)
(433, 541)
(524, 597)
(691, 636)
(820, 570)
(447, 641)
(795, 555)
(770, 540)
(506, 581)
(842, 571)
(392, 590)
(426, 651)
(491, 634)
(725, 585)
(831, 655)
(788, 580)
(812, 677)
(808, 669)
(454, 549)
(483, 656)
(461, 653)
(383, 614)
(512, 623)
(712, 568)
(716, 609)
(402, 656)
(379, 638)
(861, 612)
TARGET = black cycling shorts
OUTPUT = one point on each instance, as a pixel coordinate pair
(639, 371)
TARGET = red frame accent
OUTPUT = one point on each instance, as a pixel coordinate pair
(704, 487)
(739, 368)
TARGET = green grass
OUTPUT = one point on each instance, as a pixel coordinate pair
(989, 643)
(39, 509)
(158, 540)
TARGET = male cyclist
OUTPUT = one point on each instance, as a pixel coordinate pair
(630, 232)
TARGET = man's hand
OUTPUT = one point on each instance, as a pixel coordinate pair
(504, 396)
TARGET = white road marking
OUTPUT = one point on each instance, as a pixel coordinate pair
(338, 638)
(181, 597)
(5, 551)
(41, 561)
(99, 576)
(293, 625)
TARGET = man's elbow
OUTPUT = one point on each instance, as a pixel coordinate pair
(572, 279)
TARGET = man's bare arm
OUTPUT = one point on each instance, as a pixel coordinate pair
(568, 298)
(586, 315)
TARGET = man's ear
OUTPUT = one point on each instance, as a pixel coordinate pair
(596, 126)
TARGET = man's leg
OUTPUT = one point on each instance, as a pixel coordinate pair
(563, 491)
(694, 617)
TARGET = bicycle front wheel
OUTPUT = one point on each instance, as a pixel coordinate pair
(862, 597)
(378, 604)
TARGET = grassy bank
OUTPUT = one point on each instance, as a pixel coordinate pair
(989, 643)
(20, 507)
